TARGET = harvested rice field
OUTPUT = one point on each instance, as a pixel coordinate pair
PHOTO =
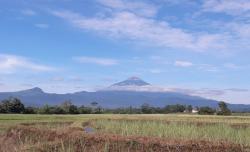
(123, 133)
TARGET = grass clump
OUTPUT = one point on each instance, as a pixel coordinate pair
(176, 130)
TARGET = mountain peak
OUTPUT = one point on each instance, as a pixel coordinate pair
(35, 90)
(132, 81)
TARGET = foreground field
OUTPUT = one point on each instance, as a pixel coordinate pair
(69, 133)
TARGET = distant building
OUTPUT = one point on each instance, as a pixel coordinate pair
(195, 110)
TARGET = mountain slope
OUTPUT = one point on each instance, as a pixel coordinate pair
(110, 98)
(117, 97)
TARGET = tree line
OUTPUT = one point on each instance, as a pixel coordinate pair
(14, 105)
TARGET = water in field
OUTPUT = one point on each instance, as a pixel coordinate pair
(89, 130)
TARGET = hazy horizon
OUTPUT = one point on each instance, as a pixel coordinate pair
(194, 47)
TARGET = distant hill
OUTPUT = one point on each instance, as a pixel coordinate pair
(131, 92)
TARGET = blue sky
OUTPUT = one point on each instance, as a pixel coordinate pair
(196, 47)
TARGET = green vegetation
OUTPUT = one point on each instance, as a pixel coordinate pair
(11, 105)
(14, 105)
(206, 111)
(177, 130)
(223, 109)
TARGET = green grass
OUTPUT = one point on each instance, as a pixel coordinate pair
(176, 130)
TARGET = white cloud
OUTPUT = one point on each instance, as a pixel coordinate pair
(237, 90)
(137, 7)
(237, 27)
(12, 63)
(28, 12)
(152, 32)
(232, 95)
(204, 92)
(203, 67)
(183, 63)
(43, 26)
(209, 67)
(232, 7)
(240, 30)
(95, 60)
(200, 92)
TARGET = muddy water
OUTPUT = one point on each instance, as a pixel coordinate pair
(89, 130)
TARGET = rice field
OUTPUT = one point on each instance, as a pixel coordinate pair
(106, 132)
(178, 130)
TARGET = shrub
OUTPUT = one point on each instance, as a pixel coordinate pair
(84, 110)
(206, 111)
(11, 105)
(30, 110)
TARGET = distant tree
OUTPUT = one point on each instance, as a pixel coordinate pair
(30, 110)
(206, 111)
(16, 105)
(12, 105)
(189, 108)
(84, 110)
(73, 109)
(69, 108)
(95, 107)
(66, 106)
(129, 110)
(2, 108)
(5, 104)
(98, 110)
(223, 109)
(147, 109)
(158, 110)
(45, 109)
(57, 110)
(174, 108)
